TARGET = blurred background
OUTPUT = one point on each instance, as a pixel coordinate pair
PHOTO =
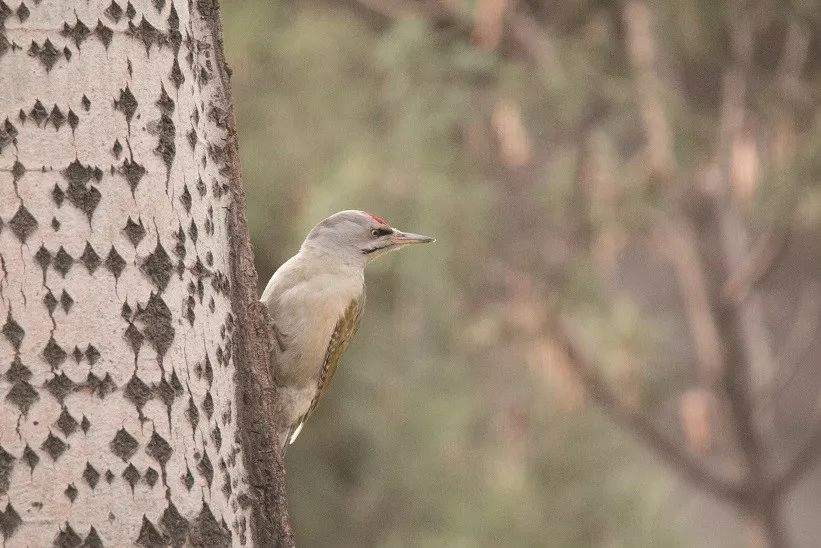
(614, 341)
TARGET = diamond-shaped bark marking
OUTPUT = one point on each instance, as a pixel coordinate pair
(79, 32)
(54, 446)
(226, 484)
(6, 466)
(22, 395)
(85, 198)
(60, 386)
(85, 424)
(114, 263)
(30, 457)
(156, 319)
(206, 530)
(201, 188)
(66, 423)
(157, 266)
(91, 475)
(134, 338)
(102, 387)
(174, 525)
(47, 54)
(58, 195)
(103, 33)
(176, 75)
(66, 301)
(13, 332)
(206, 469)
(67, 53)
(130, 12)
(146, 33)
(175, 383)
(73, 120)
(116, 148)
(22, 12)
(55, 224)
(137, 392)
(43, 258)
(114, 11)
(109, 476)
(134, 231)
(208, 405)
(17, 371)
(216, 436)
(165, 102)
(17, 170)
(22, 224)
(192, 140)
(126, 311)
(54, 354)
(188, 479)
(179, 246)
(193, 231)
(92, 354)
(149, 536)
(127, 104)
(133, 172)
(86, 102)
(9, 521)
(151, 476)
(67, 538)
(77, 354)
(173, 19)
(166, 146)
(189, 312)
(185, 198)
(92, 539)
(131, 475)
(89, 258)
(38, 112)
(57, 118)
(71, 493)
(192, 413)
(123, 445)
(159, 449)
(62, 261)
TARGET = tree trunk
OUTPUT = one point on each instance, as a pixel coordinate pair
(135, 393)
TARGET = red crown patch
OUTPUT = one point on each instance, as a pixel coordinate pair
(378, 219)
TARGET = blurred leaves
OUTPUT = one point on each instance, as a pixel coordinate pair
(453, 420)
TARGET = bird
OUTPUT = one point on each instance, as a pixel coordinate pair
(315, 302)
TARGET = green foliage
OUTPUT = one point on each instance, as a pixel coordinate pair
(415, 445)
(450, 423)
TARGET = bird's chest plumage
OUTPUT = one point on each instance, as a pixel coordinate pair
(314, 312)
(320, 310)
(306, 304)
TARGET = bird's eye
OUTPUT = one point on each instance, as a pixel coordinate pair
(377, 232)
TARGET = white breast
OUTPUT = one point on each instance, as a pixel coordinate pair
(305, 298)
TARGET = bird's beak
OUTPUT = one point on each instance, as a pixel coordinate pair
(399, 238)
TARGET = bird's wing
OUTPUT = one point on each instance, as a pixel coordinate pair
(342, 334)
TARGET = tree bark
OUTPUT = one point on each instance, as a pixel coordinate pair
(135, 389)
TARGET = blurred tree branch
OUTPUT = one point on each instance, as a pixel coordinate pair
(676, 456)
(719, 266)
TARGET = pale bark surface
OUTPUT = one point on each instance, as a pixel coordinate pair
(118, 404)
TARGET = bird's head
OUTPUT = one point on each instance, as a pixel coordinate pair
(359, 236)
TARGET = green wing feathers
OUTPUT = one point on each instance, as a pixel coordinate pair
(342, 334)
